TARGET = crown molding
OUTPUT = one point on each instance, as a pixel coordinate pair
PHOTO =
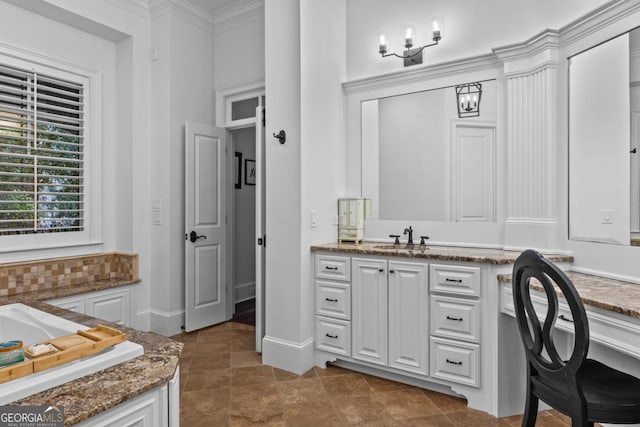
(182, 9)
(238, 14)
(541, 42)
(138, 7)
(444, 69)
(597, 19)
(553, 40)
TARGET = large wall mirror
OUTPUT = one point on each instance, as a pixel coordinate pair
(420, 162)
(604, 137)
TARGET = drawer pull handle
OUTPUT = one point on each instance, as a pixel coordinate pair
(331, 299)
(459, 319)
(330, 268)
(453, 362)
(331, 336)
(453, 280)
(566, 319)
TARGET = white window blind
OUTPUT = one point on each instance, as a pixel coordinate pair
(41, 153)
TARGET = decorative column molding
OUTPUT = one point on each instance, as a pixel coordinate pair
(531, 70)
(182, 9)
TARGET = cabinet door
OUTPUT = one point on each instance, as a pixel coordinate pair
(110, 305)
(369, 310)
(408, 316)
(147, 410)
(73, 303)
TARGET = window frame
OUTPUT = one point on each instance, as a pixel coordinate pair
(92, 149)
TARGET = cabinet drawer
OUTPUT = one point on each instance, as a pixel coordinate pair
(455, 361)
(455, 279)
(333, 267)
(333, 335)
(333, 300)
(455, 318)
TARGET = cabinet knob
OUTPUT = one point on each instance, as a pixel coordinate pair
(391, 271)
(381, 270)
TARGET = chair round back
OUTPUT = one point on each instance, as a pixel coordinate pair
(537, 338)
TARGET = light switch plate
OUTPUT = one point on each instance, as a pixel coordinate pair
(607, 216)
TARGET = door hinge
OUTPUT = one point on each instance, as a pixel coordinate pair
(262, 241)
(264, 117)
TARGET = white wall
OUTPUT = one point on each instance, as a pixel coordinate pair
(283, 181)
(239, 48)
(182, 81)
(112, 39)
(323, 27)
(305, 64)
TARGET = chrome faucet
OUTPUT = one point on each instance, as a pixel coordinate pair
(409, 231)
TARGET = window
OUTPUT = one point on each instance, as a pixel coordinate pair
(42, 154)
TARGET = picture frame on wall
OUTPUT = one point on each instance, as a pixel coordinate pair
(249, 172)
(238, 169)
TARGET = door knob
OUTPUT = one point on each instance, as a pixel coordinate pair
(193, 236)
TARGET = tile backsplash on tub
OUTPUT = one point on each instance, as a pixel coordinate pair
(28, 276)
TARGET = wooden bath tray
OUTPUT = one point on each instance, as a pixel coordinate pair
(70, 347)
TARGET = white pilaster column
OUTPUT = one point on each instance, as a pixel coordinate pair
(532, 184)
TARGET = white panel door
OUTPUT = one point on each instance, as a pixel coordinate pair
(205, 226)
(408, 316)
(369, 310)
(473, 176)
(260, 227)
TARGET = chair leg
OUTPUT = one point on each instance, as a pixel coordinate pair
(581, 421)
(530, 410)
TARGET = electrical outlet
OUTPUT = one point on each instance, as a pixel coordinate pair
(607, 216)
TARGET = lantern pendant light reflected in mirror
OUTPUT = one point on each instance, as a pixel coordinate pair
(468, 97)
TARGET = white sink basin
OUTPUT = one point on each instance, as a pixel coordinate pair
(31, 326)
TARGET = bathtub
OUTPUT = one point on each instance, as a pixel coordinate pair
(31, 326)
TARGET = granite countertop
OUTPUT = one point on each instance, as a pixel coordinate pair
(45, 294)
(608, 294)
(92, 394)
(443, 253)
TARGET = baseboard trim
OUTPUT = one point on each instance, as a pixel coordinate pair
(166, 323)
(288, 355)
(244, 292)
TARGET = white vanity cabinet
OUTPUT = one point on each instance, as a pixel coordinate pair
(333, 304)
(370, 310)
(390, 320)
(113, 305)
(455, 323)
(158, 407)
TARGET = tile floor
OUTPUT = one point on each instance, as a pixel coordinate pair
(223, 383)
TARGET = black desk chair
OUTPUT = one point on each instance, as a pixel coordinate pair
(584, 389)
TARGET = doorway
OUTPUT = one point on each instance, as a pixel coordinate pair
(243, 263)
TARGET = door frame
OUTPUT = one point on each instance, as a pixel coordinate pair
(224, 98)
